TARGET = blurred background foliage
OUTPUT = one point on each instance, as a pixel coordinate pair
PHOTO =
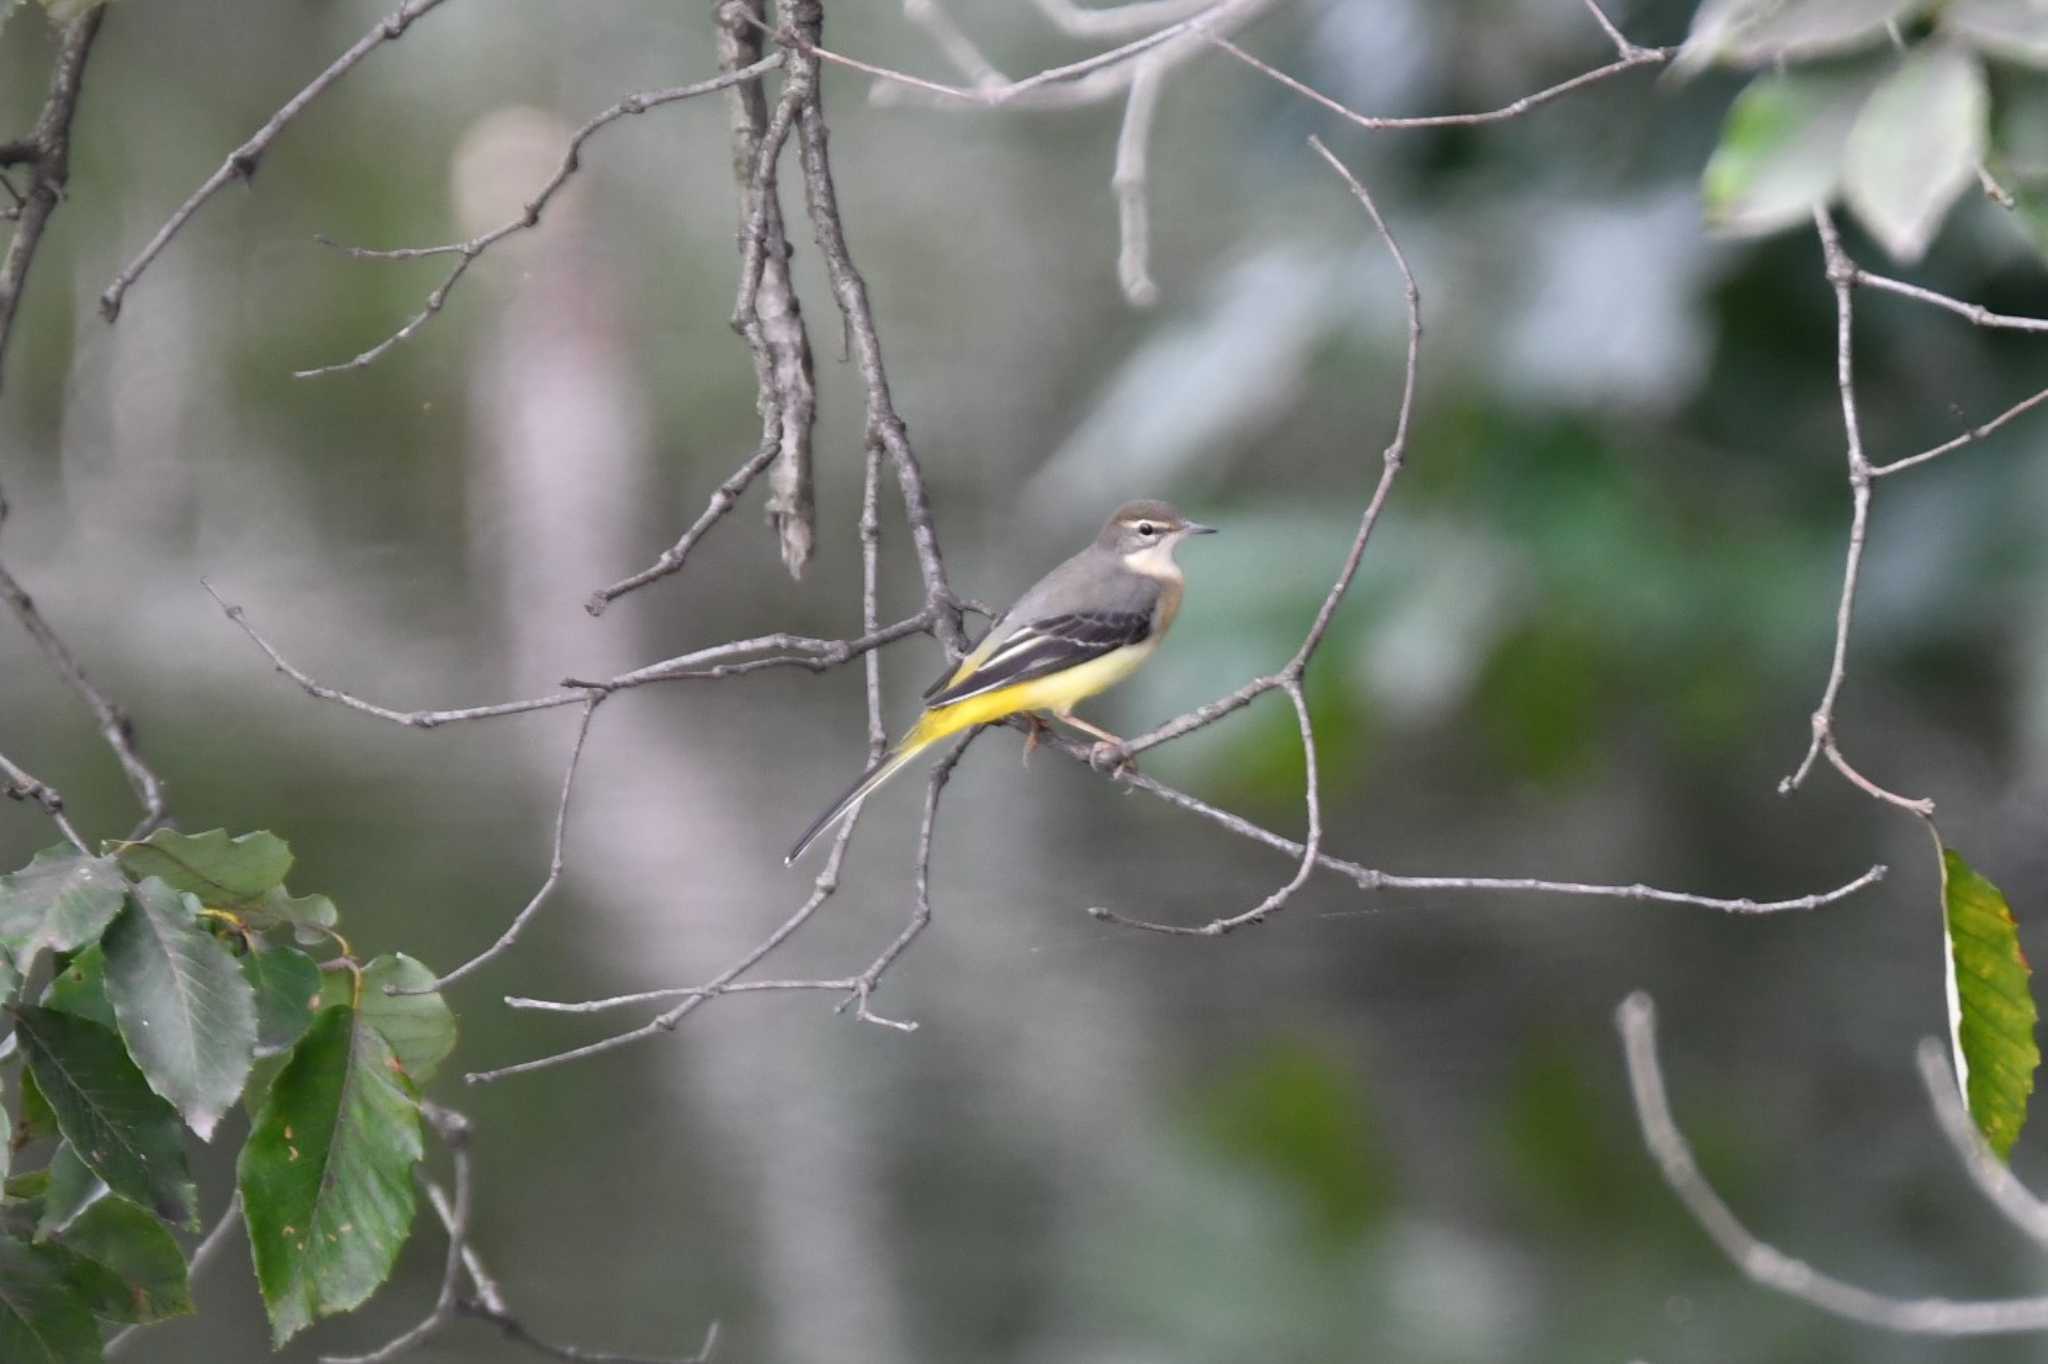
(1392, 1127)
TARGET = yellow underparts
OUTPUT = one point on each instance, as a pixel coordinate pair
(1059, 693)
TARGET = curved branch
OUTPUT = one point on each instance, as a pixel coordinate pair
(241, 162)
(1765, 1264)
(527, 218)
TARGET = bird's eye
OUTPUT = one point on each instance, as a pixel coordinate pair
(1147, 528)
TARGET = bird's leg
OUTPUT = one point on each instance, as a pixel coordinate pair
(1039, 729)
(1108, 747)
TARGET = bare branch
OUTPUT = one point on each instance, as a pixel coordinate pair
(576, 1354)
(708, 664)
(1311, 850)
(1632, 58)
(992, 96)
(47, 150)
(454, 1130)
(1372, 879)
(242, 161)
(528, 217)
(821, 891)
(884, 425)
(20, 784)
(1992, 1176)
(1391, 460)
(1765, 1264)
(766, 313)
(671, 561)
(114, 725)
(547, 887)
(858, 989)
(1841, 275)
(1969, 437)
(1977, 313)
(1133, 265)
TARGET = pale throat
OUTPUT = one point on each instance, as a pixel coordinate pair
(1156, 562)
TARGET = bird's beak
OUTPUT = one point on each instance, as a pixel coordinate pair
(1197, 528)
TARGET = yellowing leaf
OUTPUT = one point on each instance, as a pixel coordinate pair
(1991, 1007)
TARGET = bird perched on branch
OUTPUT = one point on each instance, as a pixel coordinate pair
(1085, 627)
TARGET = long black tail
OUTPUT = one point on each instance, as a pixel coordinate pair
(889, 766)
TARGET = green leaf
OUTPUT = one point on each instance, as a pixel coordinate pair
(61, 901)
(187, 1012)
(326, 1176)
(43, 1320)
(287, 985)
(1991, 1008)
(307, 914)
(81, 988)
(10, 981)
(6, 1140)
(126, 1264)
(226, 873)
(2014, 29)
(72, 1190)
(420, 1028)
(124, 1132)
(1764, 32)
(37, 1121)
(1780, 154)
(1916, 146)
(261, 1076)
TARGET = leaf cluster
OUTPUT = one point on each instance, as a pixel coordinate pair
(149, 989)
(1895, 107)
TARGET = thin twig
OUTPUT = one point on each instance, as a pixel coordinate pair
(21, 784)
(1634, 57)
(1765, 1264)
(1977, 313)
(576, 1354)
(1391, 461)
(857, 989)
(821, 891)
(1841, 276)
(526, 219)
(209, 1245)
(992, 96)
(1969, 437)
(1372, 879)
(114, 724)
(241, 162)
(708, 664)
(1311, 850)
(1084, 84)
(512, 931)
(672, 559)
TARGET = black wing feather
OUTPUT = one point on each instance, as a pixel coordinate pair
(1047, 646)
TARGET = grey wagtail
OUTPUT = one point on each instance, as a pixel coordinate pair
(1085, 627)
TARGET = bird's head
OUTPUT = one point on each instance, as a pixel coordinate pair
(1144, 535)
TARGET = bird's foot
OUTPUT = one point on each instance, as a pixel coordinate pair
(1113, 758)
